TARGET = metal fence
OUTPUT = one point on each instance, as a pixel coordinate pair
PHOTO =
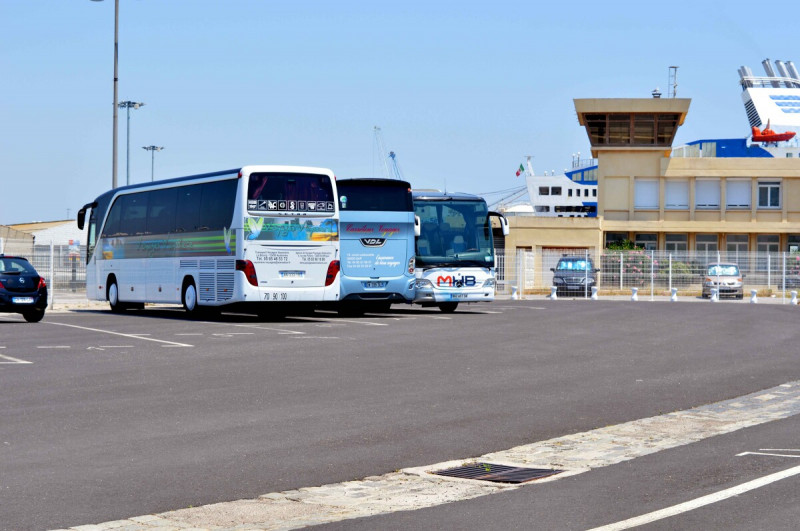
(656, 272)
(62, 266)
(525, 271)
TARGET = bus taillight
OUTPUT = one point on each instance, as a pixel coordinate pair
(333, 270)
(249, 270)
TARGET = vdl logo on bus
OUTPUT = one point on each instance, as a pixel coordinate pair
(373, 242)
(466, 281)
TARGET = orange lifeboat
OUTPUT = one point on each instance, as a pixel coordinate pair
(768, 135)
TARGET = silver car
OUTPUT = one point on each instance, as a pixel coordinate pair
(726, 277)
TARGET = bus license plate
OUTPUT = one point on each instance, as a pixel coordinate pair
(374, 284)
(293, 274)
(22, 300)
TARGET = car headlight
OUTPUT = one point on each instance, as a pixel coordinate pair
(423, 283)
(557, 280)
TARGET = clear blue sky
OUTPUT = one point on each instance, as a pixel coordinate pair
(462, 90)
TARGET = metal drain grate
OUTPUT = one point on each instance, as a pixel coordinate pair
(497, 473)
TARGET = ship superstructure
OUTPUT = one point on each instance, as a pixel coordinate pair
(572, 194)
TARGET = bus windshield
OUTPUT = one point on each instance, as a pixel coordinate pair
(295, 192)
(454, 233)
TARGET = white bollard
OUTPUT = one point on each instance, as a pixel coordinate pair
(514, 295)
(753, 296)
(794, 298)
(714, 295)
(634, 294)
(674, 296)
(553, 292)
(594, 293)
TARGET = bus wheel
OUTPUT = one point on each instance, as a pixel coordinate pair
(448, 307)
(113, 296)
(189, 298)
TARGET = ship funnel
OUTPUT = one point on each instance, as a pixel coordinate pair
(783, 73)
(770, 72)
(792, 70)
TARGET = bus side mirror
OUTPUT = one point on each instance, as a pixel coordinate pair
(82, 214)
(417, 226)
(503, 222)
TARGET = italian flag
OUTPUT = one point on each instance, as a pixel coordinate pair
(520, 171)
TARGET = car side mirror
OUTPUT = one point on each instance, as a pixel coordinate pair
(597, 270)
(553, 269)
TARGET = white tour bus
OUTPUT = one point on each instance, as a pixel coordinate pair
(256, 236)
(455, 260)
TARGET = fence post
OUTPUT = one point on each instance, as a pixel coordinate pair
(652, 273)
(769, 270)
(586, 274)
(2, 245)
(52, 290)
(670, 272)
(784, 278)
(621, 257)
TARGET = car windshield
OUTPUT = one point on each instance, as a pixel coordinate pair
(15, 265)
(725, 270)
(571, 265)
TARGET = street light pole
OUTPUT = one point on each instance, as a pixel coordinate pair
(116, 80)
(152, 150)
(127, 105)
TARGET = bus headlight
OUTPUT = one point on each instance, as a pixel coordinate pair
(489, 283)
(423, 283)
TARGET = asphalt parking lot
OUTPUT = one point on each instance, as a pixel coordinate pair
(109, 417)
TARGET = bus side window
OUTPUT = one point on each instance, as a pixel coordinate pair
(187, 212)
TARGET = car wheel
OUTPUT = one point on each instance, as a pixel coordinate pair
(33, 316)
(448, 307)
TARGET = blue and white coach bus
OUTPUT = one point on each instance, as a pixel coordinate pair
(455, 259)
(259, 236)
(376, 229)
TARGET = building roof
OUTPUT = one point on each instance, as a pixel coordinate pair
(37, 226)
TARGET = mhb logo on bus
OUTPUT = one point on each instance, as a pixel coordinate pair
(456, 281)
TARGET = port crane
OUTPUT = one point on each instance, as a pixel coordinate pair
(390, 165)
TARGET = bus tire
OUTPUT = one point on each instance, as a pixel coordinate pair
(189, 297)
(112, 294)
(448, 307)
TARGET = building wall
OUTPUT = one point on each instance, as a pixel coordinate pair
(618, 171)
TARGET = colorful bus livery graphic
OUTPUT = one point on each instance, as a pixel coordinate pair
(291, 229)
(187, 245)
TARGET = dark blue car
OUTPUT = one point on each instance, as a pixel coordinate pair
(22, 290)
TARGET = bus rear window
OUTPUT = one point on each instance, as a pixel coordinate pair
(295, 192)
(374, 197)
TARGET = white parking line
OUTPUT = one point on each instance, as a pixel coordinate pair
(54, 346)
(769, 454)
(168, 343)
(700, 502)
(13, 360)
